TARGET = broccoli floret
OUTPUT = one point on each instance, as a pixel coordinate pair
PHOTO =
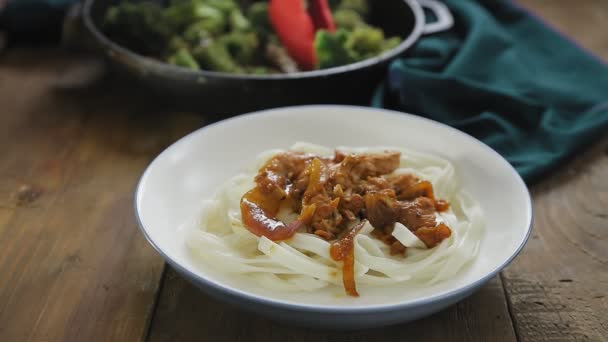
(215, 56)
(331, 49)
(241, 46)
(348, 19)
(365, 42)
(237, 21)
(140, 26)
(359, 6)
(184, 59)
(185, 13)
(197, 32)
(257, 14)
(176, 43)
(343, 47)
(225, 6)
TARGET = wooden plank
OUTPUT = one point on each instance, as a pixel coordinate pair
(586, 22)
(558, 286)
(184, 313)
(73, 265)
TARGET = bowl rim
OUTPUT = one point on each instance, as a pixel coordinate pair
(146, 64)
(198, 280)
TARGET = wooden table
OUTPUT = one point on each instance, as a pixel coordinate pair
(73, 265)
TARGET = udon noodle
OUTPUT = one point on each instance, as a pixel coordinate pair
(303, 262)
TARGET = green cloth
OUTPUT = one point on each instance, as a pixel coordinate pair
(506, 78)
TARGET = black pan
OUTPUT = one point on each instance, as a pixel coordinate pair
(225, 93)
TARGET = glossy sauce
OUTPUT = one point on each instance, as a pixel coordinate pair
(343, 250)
(431, 236)
(259, 216)
(333, 194)
(441, 205)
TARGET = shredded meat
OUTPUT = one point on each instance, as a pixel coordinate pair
(416, 214)
(333, 195)
(353, 170)
(347, 189)
(433, 236)
(281, 171)
(380, 208)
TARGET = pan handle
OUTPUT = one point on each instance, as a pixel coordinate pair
(444, 21)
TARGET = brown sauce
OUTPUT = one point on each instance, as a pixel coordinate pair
(331, 195)
(343, 250)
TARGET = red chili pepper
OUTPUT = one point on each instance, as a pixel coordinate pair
(321, 15)
(296, 27)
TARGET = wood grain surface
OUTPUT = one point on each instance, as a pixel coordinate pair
(186, 314)
(73, 266)
(558, 286)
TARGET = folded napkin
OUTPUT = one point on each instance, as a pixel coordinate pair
(506, 78)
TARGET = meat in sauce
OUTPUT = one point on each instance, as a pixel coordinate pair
(333, 196)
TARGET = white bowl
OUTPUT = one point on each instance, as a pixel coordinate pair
(173, 186)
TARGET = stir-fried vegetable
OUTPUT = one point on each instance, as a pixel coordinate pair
(215, 56)
(343, 47)
(359, 6)
(185, 13)
(141, 26)
(257, 14)
(348, 19)
(183, 58)
(331, 49)
(246, 36)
